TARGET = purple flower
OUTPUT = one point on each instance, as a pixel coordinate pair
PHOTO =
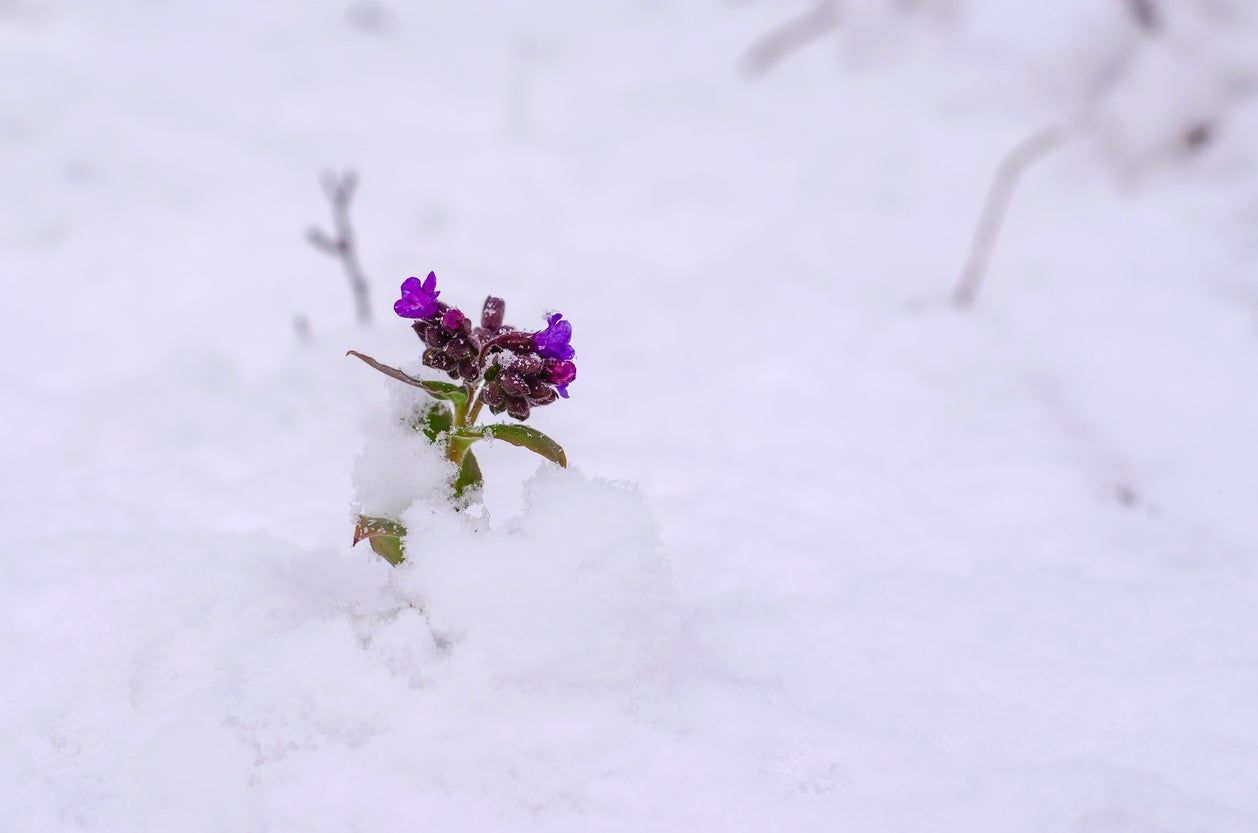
(552, 342)
(418, 300)
(561, 374)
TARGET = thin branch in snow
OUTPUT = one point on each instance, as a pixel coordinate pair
(341, 243)
(301, 326)
(1145, 13)
(1103, 459)
(792, 35)
(1197, 135)
(1015, 163)
(370, 16)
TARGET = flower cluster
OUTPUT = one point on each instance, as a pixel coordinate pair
(495, 366)
(520, 369)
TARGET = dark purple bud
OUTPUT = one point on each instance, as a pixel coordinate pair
(421, 329)
(513, 383)
(515, 340)
(491, 314)
(498, 407)
(468, 369)
(518, 407)
(436, 336)
(493, 394)
(530, 364)
(453, 319)
(435, 358)
(542, 394)
(458, 348)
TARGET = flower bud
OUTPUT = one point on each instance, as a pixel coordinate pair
(530, 364)
(436, 336)
(542, 394)
(421, 329)
(561, 372)
(453, 319)
(518, 407)
(517, 341)
(435, 358)
(458, 348)
(493, 394)
(491, 314)
(513, 383)
(468, 369)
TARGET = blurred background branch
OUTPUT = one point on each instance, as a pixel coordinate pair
(1023, 155)
(1145, 13)
(341, 244)
(791, 36)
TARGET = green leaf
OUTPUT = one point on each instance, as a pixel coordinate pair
(530, 438)
(469, 475)
(385, 536)
(434, 419)
(440, 390)
(389, 548)
(462, 440)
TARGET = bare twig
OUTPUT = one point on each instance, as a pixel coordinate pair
(1015, 163)
(301, 326)
(341, 244)
(792, 35)
(1145, 14)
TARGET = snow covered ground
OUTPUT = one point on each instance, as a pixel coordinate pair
(832, 555)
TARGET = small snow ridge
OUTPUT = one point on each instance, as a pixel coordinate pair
(575, 591)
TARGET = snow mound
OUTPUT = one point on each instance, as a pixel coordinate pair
(396, 467)
(575, 591)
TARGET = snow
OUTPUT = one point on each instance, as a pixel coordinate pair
(393, 470)
(574, 592)
(831, 554)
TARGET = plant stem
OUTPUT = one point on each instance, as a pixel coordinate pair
(474, 412)
(460, 411)
(455, 452)
(463, 418)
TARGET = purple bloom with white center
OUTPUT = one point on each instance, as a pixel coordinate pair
(553, 342)
(419, 300)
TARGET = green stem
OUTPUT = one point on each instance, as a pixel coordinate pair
(474, 412)
(464, 418)
(460, 413)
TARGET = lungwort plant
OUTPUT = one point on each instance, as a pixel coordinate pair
(494, 366)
